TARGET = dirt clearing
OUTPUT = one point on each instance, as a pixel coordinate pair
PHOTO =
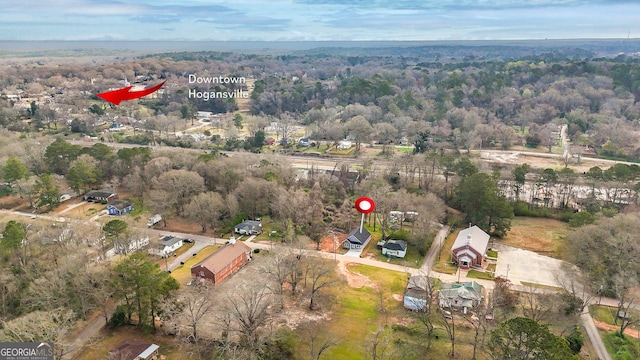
(543, 236)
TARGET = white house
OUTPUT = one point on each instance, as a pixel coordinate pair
(395, 248)
(415, 297)
(166, 246)
(132, 245)
(249, 227)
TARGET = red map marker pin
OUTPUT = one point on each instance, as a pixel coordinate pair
(364, 205)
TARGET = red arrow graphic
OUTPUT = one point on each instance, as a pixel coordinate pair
(119, 95)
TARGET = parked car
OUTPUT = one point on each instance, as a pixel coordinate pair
(304, 142)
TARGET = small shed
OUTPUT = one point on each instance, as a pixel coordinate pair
(135, 350)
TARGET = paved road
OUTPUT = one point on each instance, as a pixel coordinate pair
(594, 336)
(93, 327)
(427, 265)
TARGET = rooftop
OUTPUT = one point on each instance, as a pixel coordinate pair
(357, 237)
(223, 256)
(474, 237)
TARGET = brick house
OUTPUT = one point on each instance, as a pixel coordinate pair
(470, 247)
(222, 263)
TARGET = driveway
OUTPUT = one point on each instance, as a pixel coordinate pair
(522, 265)
(354, 253)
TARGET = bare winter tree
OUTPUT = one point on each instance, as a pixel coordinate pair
(425, 295)
(197, 304)
(380, 346)
(277, 269)
(449, 322)
(477, 318)
(321, 274)
(41, 326)
(578, 290)
(317, 339)
(535, 304)
(248, 307)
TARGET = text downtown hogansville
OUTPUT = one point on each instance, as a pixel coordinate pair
(206, 95)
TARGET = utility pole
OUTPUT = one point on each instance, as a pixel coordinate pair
(508, 268)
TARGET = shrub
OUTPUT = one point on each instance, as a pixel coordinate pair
(576, 340)
(118, 318)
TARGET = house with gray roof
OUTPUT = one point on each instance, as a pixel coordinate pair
(167, 245)
(249, 227)
(415, 297)
(356, 239)
(470, 247)
(395, 248)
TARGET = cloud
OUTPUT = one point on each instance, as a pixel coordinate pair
(248, 22)
(318, 19)
(156, 18)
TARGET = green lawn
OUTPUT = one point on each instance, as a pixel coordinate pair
(625, 348)
(356, 311)
(607, 314)
(540, 286)
(603, 313)
(183, 273)
(443, 261)
(479, 275)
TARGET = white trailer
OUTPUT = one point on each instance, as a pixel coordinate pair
(154, 220)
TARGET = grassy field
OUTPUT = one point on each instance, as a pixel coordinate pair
(356, 316)
(183, 273)
(620, 348)
(544, 236)
(443, 261)
(607, 314)
(479, 275)
(356, 312)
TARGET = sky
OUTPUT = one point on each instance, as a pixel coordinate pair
(317, 20)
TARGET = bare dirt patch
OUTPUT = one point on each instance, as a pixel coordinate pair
(292, 317)
(354, 279)
(11, 201)
(331, 242)
(631, 332)
(544, 236)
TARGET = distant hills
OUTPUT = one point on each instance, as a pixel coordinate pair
(575, 48)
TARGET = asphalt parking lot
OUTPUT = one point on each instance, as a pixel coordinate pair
(523, 265)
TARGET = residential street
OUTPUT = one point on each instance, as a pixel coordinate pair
(543, 275)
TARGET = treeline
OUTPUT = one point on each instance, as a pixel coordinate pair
(461, 103)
